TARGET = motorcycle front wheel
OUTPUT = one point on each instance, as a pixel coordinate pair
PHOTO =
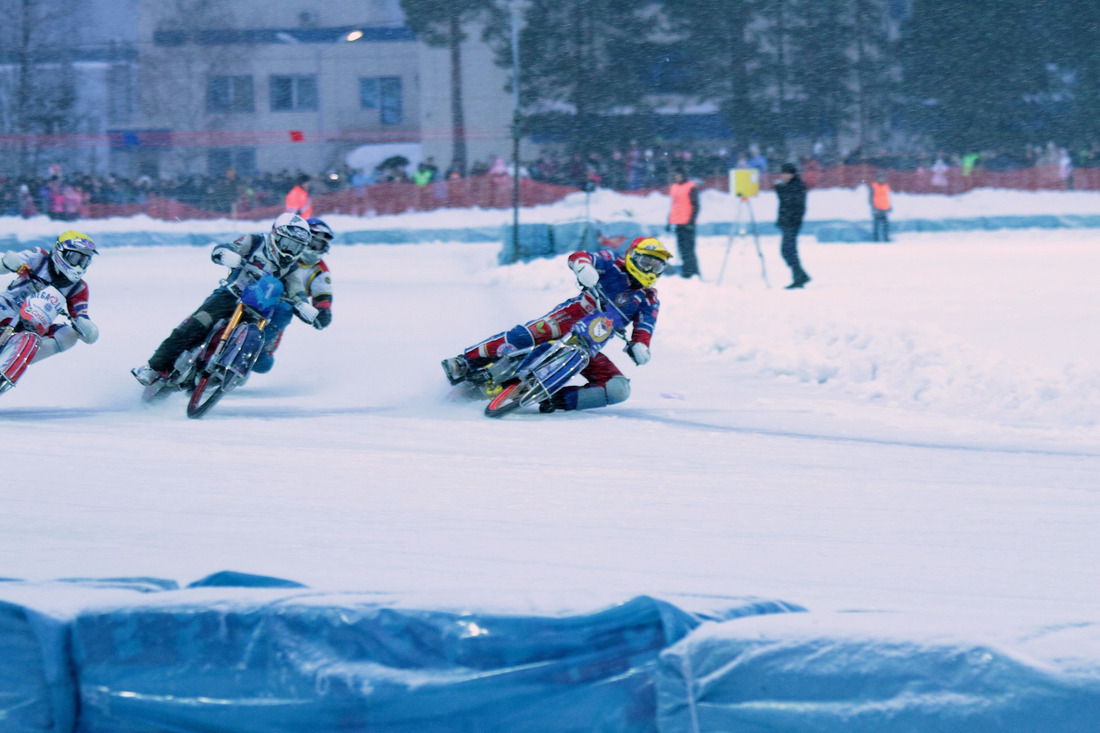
(511, 399)
(205, 395)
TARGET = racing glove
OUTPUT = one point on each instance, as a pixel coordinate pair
(85, 329)
(639, 352)
(226, 257)
(324, 317)
(12, 261)
(306, 312)
(587, 275)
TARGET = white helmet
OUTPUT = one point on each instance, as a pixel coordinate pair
(288, 238)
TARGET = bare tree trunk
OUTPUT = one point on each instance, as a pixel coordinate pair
(458, 116)
(861, 75)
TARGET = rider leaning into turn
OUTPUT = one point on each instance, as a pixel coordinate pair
(627, 280)
(62, 267)
(249, 257)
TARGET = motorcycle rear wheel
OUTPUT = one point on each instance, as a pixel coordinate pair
(511, 399)
(197, 406)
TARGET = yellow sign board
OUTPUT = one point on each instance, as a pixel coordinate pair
(745, 182)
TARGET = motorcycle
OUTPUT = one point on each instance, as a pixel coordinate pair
(225, 358)
(529, 376)
(20, 339)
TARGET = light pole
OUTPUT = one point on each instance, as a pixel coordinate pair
(515, 124)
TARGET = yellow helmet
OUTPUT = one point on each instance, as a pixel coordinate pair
(71, 254)
(646, 259)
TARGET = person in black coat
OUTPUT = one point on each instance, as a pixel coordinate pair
(792, 209)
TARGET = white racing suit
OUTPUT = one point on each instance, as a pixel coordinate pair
(34, 275)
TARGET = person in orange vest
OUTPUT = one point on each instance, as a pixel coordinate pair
(880, 207)
(685, 209)
(297, 200)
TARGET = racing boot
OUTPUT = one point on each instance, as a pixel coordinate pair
(456, 368)
(147, 375)
(556, 402)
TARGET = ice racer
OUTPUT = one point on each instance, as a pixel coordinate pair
(627, 280)
(63, 266)
(318, 288)
(248, 258)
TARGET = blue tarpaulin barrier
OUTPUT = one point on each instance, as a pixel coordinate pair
(239, 652)
(875, 673)
(310, 663)
(548, 240)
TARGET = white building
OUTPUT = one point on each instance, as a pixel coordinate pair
(260, 86)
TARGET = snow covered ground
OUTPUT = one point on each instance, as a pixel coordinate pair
(917, 433)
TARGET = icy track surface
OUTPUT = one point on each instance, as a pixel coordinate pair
(916, 430)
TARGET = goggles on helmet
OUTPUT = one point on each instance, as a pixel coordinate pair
(76, 257)
(649, 263)
(289, 244)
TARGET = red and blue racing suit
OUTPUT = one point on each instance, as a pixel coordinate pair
(606, 384)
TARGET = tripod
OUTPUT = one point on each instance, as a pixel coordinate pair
(738, 231)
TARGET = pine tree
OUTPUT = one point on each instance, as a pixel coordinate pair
(441, 24)
(971, 69)
(714, 39)
(586, 56)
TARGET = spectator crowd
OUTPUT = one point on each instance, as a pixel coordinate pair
(631, 168)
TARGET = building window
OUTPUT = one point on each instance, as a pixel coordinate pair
(229, 94)
(220, 160)
(293, 93)
(382, 93)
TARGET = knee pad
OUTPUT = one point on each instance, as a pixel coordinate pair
(520, 337)
(618, 389)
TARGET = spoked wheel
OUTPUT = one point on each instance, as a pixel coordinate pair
(511, 399)
(205, 395)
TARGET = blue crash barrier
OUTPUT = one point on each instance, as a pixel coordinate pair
(298, 661)
(241, 652)
(38, 688)
(548, 240)
(877, 673)
(185, 239)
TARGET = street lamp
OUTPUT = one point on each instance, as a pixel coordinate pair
(516, 10)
